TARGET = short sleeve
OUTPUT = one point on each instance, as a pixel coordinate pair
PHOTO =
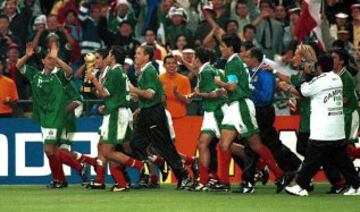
(28, 71)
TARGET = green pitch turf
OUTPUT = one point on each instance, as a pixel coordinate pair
(76, 198)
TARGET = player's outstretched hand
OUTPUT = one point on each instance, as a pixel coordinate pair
(29, 49)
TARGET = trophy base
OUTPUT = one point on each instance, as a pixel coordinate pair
(86, 89)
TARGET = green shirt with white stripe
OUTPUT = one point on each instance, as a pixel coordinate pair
(117, 84)
(149, 80)
(237, 72)
(48, 96)
(206, 84)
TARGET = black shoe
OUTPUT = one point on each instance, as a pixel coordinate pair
(310, 187)
(220, 187)
(144, 179)
(283, 181)
(83, 172)
(56, 185)
(337, 190)
(164, 171)
(195, 168)
(197, 186)
(262, 175)
(118, 188)
(95, 185)
(245, 188)
(185, 184)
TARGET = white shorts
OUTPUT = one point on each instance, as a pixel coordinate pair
(115, 129)
(211, 124)
(170, 125)
(49, 135)
(354, 126)
(241, 116)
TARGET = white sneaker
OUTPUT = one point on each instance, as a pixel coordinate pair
(296, 190)
(352, 192)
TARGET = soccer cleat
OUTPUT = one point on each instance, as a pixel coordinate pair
(352, 191)
(95, 185)
(310, 187)
(245, 188)
(83, 172)
(283, 181)
(262, 175)
(199, 187)
(336, 190)
(144, 180)
(296, 190)
(195, 168)
(220, 187)
(164, 171)
(118, 188)
(184, 184)
(56, 185)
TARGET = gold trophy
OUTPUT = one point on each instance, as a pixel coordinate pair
(87, 86)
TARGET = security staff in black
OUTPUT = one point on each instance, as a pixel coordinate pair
(152, 127)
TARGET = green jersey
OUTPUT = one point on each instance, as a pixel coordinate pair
(304, 103)
(206, 84)
(117, 84)
(48, 96)
(149, 80)
(237, 72)
(348, 91)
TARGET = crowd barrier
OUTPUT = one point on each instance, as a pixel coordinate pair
(22, 160)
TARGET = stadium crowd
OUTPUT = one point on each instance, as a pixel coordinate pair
(233, 54)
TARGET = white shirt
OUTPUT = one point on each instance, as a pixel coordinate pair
(327, 118)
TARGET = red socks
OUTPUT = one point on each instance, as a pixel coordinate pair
(88, 160)
(353, 151)
(225, 157)
(204, 174)
(118, 175)
(154, 179)
(188, 161)
(56, 168)
(100, 172)
(267, 156)
(131, 162)
(260, 165)
(67, 158)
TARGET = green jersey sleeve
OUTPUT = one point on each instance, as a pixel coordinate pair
(29, 71)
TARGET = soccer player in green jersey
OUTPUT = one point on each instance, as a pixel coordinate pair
(152, 125)
(49, 102)
(240, 117)
(117, 125)
(214, 106)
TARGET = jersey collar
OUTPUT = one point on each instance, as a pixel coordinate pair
(232, 57)
(203, 67)
(341, 72)
(56, 69)
(145, 66)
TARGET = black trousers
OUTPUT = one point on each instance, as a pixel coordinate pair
(331, 172)
(335, 152)
(285, 158)
(152, 128)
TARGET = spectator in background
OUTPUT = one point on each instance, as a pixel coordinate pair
(7, 38)
(176, 87)
(123, 37)
(249, 35)
(8, 94)
(91, 41)
(355, 14)
(280, 14)
(340, 22)
(11, 71)
(72, 26)
(186, 65)
(240, 13)
(178, 19)
(122, 13)
(269, 32)
(222, 11)
(19, 21)
(289, 31)
(150, 39)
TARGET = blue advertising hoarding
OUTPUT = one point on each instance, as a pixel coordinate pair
(22, 160)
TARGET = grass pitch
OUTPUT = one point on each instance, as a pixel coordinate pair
(76, 198)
